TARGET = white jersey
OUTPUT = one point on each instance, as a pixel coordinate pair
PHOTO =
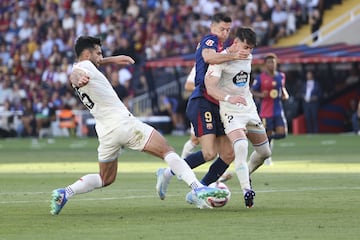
(101, 99)
(115, 125)
(191, 76)
(235, 80)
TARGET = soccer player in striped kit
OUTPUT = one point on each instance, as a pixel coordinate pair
(269, 86)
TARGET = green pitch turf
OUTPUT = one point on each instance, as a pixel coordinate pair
(311, 192)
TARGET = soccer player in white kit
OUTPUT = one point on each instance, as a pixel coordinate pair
(117, 127)
(229, 83)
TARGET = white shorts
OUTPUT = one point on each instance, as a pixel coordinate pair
(250, 121)
(131, 133)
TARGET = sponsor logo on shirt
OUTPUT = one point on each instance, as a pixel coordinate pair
(240, 79)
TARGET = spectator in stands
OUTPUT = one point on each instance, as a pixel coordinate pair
(261, 29)
(120, 89)
(67, 120)
(311, 102)
(315, 21)
(353, 76)
(152, 29)
(279, 18)
(28, 119)
(175, 108)
(7, 121)
(125, 79)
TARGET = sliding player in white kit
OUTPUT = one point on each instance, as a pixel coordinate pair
(116, 127)
(229, 83)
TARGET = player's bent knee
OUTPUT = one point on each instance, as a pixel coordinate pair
(209, 155)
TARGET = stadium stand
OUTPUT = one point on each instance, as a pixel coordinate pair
(37, 36)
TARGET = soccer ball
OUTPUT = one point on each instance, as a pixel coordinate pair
(219, 202)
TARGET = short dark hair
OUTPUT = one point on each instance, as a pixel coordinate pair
(246, 34)
(221, 17)
(86, 42)
(270, 56)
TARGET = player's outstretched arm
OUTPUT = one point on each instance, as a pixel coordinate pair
(120, 59)
(190, 80)
(212, 57)
(285, 94)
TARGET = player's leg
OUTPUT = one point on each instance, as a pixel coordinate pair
(107, 155)
(158, 146)
(261, 151)
(279, 124)
(200, 115)
(240, 145)
(269, 124)
(223, 147)
(235, 125)
(190, 144)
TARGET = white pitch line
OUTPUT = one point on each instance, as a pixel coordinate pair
(155, 196)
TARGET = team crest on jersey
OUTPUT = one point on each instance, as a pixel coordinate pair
(209, 43)
(209, 126)
(240, 79)
(274, 93)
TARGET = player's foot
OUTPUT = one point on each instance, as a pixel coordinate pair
(162, 183)
(225, 177)
(249, 198)
(268, 161)
(58, 201)
(191, 198)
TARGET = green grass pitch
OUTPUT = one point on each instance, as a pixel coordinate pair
(311, 192)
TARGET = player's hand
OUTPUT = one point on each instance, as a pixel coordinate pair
(120, 59)
(241, 55)
(79, 77)
(238, 100)
(264, 94)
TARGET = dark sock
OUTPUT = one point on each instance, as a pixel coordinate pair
(277, 136)
(217, 168)
(194, 160)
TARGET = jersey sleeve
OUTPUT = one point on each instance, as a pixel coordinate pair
(256, 84)
(191, 76)
(210, 41)
(86, 66)
(215, 70)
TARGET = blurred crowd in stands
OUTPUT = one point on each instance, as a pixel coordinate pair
(37, 37)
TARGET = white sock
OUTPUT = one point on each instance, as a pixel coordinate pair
(85, 184)
(187, 149)
(168, 173)
(241, 167)
(182, 169)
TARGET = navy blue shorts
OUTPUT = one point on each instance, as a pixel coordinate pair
(205, 117)
(273, 122)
